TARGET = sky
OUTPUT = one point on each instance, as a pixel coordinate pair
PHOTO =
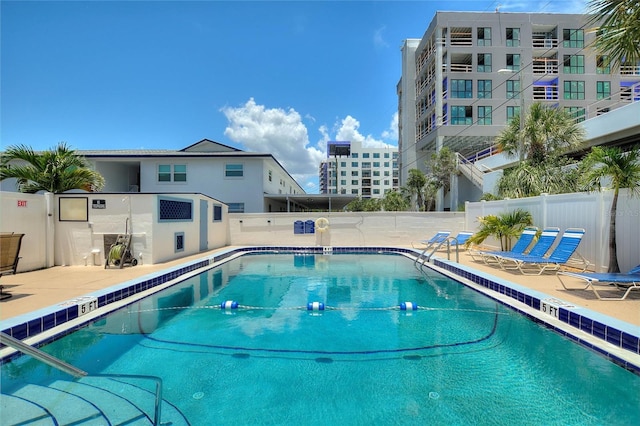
(281, 78)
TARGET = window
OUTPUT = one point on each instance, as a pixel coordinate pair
(386, 164)
(217, 213)
(365, 155)
(236, 207)
(354, 164)
(513, 37)
(233, 170)
(574, 89)
(484, 36)
(270, 175)
(376, 172)
(376, 155)
(512, 112)
(484, 89)
(603, 89)
(572, 38)
(169, 173)
(179, 241)
(343, 182)
(376, 164)
(354, 155)
(343, 172)
(354, 182)
(354, 173)
(386, 155)
(461, 88)
(343, 164)
(573, 64)
(484, 115)
(577, 113)
(354, 191)
(513, 89)
(461, 115)
(603, 65)
(484, 62)
(513, 62)
(175, 210)
(376, 182)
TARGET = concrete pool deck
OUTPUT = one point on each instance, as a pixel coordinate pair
(39, 289)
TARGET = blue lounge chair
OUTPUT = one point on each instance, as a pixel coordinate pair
(524, 241)
(460, 239)
(539, 249)
(440, 237)
(535, 264)
(620, 281)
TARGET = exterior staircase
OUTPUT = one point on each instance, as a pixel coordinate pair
(470, 171)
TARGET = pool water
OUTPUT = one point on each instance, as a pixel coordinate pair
(461, 358)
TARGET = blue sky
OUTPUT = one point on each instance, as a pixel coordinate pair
(263, 76)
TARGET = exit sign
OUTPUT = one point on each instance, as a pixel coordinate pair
(22, 203)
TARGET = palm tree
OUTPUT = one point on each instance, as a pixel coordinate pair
(623, 169)
(529, 180)
(619, 31)
(546, 132)
(415, 187)
(504, 227)
(394, 201)
(57, 170)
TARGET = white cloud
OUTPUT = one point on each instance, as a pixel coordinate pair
(275, 131)
(392, 132)
(348, 131)
(378, 39)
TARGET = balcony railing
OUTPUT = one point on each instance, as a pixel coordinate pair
(545, 66)
(544, 43)
(545, 93)
(630, 70)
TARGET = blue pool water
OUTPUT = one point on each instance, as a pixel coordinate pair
(461, 358)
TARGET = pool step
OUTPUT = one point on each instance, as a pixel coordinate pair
(90, 401)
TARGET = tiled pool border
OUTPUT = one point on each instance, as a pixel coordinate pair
(35, 323)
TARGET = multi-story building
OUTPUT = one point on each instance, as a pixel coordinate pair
(355, 170)
(473, 72)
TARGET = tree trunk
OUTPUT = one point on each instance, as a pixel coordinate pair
(613, 251)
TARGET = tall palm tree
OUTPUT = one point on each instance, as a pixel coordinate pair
(57, 170)
(546, 132)
(619, 31)
(623, 170)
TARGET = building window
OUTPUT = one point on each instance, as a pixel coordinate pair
(174, 210)
(270, 175)
(365, 155)
(484, 36)
(354, 173)
(354, 191)
(461, 115)
(354, 182)
(572, 38)
(386, 155)
(484, 62)
(354, 164)
(512, 112)
(376, 164)
(172, 173)
(574, 89)
(484, 115)
(217, 213)
(462, 88)
(354, 155)
(343, 172)
(603, 89)
(236, 207)
(343, 164)
(233, 170)
(376, 155)
(484, 89)
(603, 65)
(577, 113)
(513, 61)
(573, 64)
(513, 89)
(513, 37)
(376, 172)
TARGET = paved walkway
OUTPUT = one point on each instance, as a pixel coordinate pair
(38, 289)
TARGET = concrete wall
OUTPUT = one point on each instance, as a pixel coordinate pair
(397, 229)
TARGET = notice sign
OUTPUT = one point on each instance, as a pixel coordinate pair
(552, 306)
(22, 203)
(98, 204)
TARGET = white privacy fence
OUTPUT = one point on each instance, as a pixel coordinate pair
(590, 211)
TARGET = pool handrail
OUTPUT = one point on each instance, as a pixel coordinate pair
(77, 373)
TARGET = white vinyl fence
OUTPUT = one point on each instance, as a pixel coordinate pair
(590, 211)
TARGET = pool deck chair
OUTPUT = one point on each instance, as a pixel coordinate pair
(440, 237)
(9, 256)
(561, 255)
(607, 281)
(524, 241)
(460, 239)
(539, 249)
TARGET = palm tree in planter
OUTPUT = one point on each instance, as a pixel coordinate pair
(622, 169)
(57, 170)
(504, 227)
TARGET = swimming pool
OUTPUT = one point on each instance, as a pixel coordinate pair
(459, 358)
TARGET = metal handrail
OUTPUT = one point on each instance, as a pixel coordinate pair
(58, 364)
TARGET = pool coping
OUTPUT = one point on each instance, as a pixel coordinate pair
(614, 339)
